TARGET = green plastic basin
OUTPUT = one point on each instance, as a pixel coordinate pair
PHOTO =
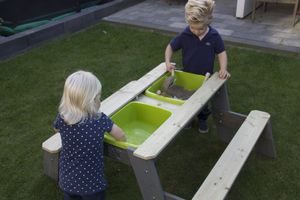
(138, 121)
(187, 80)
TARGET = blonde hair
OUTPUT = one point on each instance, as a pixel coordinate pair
(78, 100)
(199, 11)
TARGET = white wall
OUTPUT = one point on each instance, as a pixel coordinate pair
(243, 8)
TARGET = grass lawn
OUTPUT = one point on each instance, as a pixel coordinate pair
(31, 88)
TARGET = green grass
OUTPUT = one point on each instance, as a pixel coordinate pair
(31, 87)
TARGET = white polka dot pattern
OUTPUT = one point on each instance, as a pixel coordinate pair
(81, 166)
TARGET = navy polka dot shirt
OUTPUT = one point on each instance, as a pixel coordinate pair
(81, 166)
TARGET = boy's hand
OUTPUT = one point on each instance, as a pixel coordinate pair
(170, 66)
(223, 74)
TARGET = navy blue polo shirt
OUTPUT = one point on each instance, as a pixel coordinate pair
(81, 166)
(198, 55)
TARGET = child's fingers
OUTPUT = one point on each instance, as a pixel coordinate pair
(228, 75)
(170, 67)
(224, 74)
(221, 74)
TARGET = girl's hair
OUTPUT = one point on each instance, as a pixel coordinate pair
(199, 11)
(78, 100)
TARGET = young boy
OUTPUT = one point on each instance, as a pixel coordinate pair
(199, 43)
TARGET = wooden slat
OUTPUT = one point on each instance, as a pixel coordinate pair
(52, 144)
(158, 103)
(115, 101)
(225, 171)
(151, 148)
(131, 90)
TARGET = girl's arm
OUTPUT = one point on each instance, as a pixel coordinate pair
(168, 57)
(118, 133)
(223, 73)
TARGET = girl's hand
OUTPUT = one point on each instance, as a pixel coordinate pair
(224, 74)
(170, 67)
(118, 133)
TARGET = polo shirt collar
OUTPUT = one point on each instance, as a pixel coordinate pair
(211, 31)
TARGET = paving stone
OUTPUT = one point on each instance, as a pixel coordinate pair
(291, 36)
(178, 25)
(291, 42)
(225, 32)
(271, 29)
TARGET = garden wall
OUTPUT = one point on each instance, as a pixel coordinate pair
(23, 41)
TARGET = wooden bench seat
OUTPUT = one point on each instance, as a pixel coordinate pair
(222, 176)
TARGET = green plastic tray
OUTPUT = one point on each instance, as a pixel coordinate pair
(187, 80)
(138, 121)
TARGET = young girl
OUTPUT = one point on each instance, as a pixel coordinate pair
(82, 128)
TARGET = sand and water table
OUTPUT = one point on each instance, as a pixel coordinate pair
(151, 121)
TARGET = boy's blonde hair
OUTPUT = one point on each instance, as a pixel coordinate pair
(78, 100)
(199, 11)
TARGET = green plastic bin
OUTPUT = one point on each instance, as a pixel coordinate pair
(187, 80)
(138, 121)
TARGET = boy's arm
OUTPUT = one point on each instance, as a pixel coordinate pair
(223, 73)
(168, 57)
(118, 133)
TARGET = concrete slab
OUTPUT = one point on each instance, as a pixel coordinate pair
(44, 32)
(12, 44)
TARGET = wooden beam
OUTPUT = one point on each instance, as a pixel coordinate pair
(52, 144)
(158, 103)
(151, 148)
(220, 179)
(131, 90)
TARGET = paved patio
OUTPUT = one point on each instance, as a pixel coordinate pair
(271, 29)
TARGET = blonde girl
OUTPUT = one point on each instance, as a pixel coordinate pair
(82, 126)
